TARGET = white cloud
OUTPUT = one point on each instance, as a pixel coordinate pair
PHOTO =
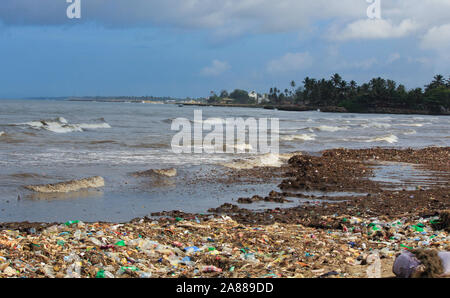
(437, 38)
(227, 18)
(374, 29)
(235, 15)
(216, 68)
(290, 62)
(393, 57)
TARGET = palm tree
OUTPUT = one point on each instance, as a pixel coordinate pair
(309, 85)
(438, 81)
(336, 79)
(293, 84)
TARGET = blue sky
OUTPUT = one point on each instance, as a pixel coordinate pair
(186, 48)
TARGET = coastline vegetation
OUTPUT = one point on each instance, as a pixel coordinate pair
(339, 95)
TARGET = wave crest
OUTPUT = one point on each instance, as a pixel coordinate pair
(388, 138)
(61, 125)
(301, 137)
(331, 128)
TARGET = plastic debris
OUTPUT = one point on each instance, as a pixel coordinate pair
(214, 246)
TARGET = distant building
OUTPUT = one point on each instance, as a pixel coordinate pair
(226, 100)
(263, 98)
(253, 95)
(258, 98)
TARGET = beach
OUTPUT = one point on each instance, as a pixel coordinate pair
(206, 142)
(364, 223)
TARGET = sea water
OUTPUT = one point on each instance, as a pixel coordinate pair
(48, 141)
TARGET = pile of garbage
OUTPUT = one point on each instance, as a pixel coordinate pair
(213, 246)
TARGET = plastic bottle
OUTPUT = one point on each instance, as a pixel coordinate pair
(374, 269)
(95, 241)
(145, 275)
(77, 235)
(211, 269)
(74, 270)
(71, 258)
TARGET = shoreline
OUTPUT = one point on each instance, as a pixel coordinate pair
(330, 239)
(326, 109)
(292, 108)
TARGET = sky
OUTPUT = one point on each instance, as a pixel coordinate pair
(187, 48)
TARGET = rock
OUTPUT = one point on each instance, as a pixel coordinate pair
(166, 172)
(68, 186)
(443, 223)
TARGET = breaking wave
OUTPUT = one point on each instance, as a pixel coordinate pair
(60, 125)
(376, 125)
(414, 124)
(330, 128)
(388, 138)
(2, 133)
(301, 137)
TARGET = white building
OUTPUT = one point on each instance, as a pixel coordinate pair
(258, 98)
(253, 95)
(263, 98)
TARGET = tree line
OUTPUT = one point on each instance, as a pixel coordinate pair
(238, 96)
(373, 95)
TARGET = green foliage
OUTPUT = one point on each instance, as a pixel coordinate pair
(240, 96)
(437, 98)
(224, 94)
(375, 94)
(214, 98)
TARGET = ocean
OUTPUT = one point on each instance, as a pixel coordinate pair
(48, 141)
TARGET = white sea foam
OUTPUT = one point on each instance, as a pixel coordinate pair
(270, 160)
(376, 125)
(112, 157)
(243, 147)
(2, 133)
(331, 128)
(199, 146)
(93, 126)
(388, 138)
(415, 124)
(410, 132)
(301, 137)
(61, 125)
